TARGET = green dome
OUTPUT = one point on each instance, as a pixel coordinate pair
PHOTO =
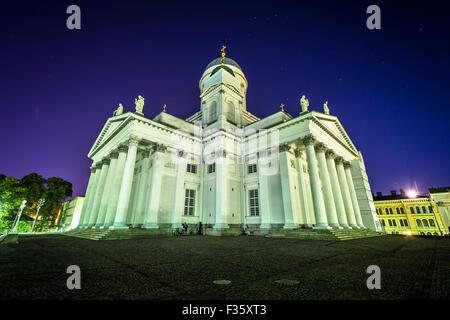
(227, 61)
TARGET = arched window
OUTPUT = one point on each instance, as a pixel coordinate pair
(424, 210)
(425, 222)
(417, 209)
(231, 112)
(390, 222)
(428, 233)
(398, 210)
(430, 208)
(212, 112)
(394, 223)
(402, 211)
(401, 222)
(411, 209)
(390, 211)
(383, 223)
(431, 222)
(405, 222)
(387, 210)
(419, 223)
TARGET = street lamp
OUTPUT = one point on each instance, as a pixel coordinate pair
(39, 205)
(14, 230)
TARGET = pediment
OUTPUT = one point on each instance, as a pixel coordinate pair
(110, 127)
(333, 127)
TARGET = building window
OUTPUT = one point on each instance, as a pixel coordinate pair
(424, 210)
(398, 210)
(411, 209)
(394, 223)
(211, 168)
(432, 224)
(402, 211)
(251, 168)
(425, 222)
(192, 168)
(391, 211)
(419, 223)
(430, 208)
(405, 222)
(417, 210)
(387, 211)
(401, 222)
(254, 202)
(189, 202)
(382, 222)
(390, 222)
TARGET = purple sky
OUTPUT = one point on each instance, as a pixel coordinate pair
(390, 88)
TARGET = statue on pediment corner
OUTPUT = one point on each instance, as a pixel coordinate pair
(304, 103)
(139, 102)
(326, 110)
(119, 110)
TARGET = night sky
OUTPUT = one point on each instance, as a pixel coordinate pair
(390, 88)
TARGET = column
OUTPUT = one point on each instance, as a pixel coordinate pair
(303, 190)
(115, 186)
(263, 191)
(221, 190)
(326, 187)
(107, 192)
(98, 193)
(142, 190)
(345, 193)
(151, 219)
(337, 193)
(351, 188)
(287, 188)
(125, 188)
(316, 187)
(178, 206)
(88, 197)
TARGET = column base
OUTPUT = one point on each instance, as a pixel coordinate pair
(119, 225)
(176, 225)
(345, 226)
(265, 226)
(290, 226)
(354, 226)
(98, 226)
(150, 226)
(322, 226)
(221, 226)
(361, 227)
(336, 226)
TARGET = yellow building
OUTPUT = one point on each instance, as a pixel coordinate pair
(400, 214)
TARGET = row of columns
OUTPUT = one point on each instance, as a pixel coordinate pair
(109, 189)
(333, 195)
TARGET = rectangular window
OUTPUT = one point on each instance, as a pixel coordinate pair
(189, 202)
(192, 168)
(251, 168)
(211, 168)
(254, 202)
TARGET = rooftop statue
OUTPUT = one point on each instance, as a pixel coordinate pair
(325, 108)
(139, 102)
(119, 110)
(304, 103)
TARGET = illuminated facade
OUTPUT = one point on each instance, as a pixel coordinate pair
(399, 214)
(227, 168)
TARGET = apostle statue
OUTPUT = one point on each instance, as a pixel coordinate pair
(326, 110)
(139, 102)
(119, 110)
(304, 103)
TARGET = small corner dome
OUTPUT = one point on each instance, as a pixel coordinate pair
(227, 61)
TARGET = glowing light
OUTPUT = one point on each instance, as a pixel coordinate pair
(408, 233)
(412, 194)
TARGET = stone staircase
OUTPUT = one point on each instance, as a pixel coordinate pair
(91, 234)
(330, 235)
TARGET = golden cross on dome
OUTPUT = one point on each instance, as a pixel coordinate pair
(282, 107)
(223, 54)
(164, 107)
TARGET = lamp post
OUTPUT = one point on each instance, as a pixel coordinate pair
(39, 205)
(14, 230)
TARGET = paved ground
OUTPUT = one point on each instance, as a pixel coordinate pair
(185, 268)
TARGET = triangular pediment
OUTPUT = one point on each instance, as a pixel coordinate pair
(333, 127)
(110, 127)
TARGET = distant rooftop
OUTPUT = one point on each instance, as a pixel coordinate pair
(439, 189)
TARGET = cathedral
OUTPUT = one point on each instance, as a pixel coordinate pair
(226, 168)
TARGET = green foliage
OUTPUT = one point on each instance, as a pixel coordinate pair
(31, 187)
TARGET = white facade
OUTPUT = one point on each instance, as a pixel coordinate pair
(226, 168)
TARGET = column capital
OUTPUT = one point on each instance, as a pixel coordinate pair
(309, 139)
(93, 168)
(158, 147)
(146, 153)
(347, 164)
(122, 148)
(339, 160)
(134, 140)
(284, 147)
(298, 153)
(114, 154)
(97, 165)
(320, 147)
(330, 154)
(105, 160)
(221, 153)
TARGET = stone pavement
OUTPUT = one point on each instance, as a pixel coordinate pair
(258, 268)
